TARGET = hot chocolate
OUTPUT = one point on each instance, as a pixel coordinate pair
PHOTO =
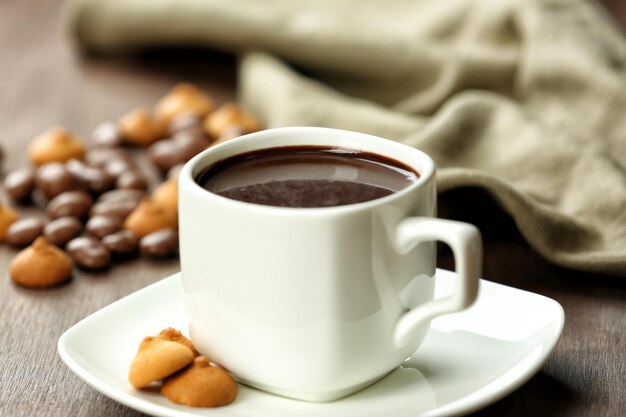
(306, 177)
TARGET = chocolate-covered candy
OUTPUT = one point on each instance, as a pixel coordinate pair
(69, 203)
(100, 181)
(160, 244)
(186, 122)
(117, 167)
(106, 135)
(24, 232)
(98, 157)
(131, 180)
(124, 194)
(101, 226)
(97, 179)
(62, 230)
(123, 242)
(117, 208)
(20, 184)
(54, 178)
(89, 253)
(179, 149)
(189, 144)
(165, 154)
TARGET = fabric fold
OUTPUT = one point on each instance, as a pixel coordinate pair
(523, 98)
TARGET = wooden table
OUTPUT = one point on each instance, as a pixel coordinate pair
(44, 84)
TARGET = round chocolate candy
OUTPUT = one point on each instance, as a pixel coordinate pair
(117, 208)
(20, 184)
(131, 180)
(24, 232)
(124, 194)
(160, 244)
(189, 144)
(89, 253)
(123, 242)
(54, 178)
(99, 157)
(69, 203)
(165, 154)
(97, 179)
(106, 135)
(117, 167)
(62, 230)
(101, 226)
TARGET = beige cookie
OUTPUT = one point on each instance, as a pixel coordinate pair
(40, 265)
(201, 385)
(55, 145)
(138, 127)
(8, 216)
(184, 98)
(227, 116)
(166, 195)
(174, 335)
(156, 359)
(149, 217)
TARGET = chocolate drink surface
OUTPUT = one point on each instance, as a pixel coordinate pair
(306, 177)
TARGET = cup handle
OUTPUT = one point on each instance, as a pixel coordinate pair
(465, 241)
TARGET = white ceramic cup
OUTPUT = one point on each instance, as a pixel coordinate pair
(316, 303)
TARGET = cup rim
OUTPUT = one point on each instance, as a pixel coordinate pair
(425, 171)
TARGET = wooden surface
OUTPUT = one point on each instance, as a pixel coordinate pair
(44, 83)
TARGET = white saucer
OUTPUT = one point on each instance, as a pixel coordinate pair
(467, 361)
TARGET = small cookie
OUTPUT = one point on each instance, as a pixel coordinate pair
(227, 116)
(40, 265)
(184, 98)
(8, 216)
(156, 359)
(55, 145)
(166, 195)
(148, 217)
(137, 127)
(201, 385)
(174, 335)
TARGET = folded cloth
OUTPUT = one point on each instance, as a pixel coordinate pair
(523, 98)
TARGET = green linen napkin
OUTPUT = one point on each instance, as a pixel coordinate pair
(523, 98)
